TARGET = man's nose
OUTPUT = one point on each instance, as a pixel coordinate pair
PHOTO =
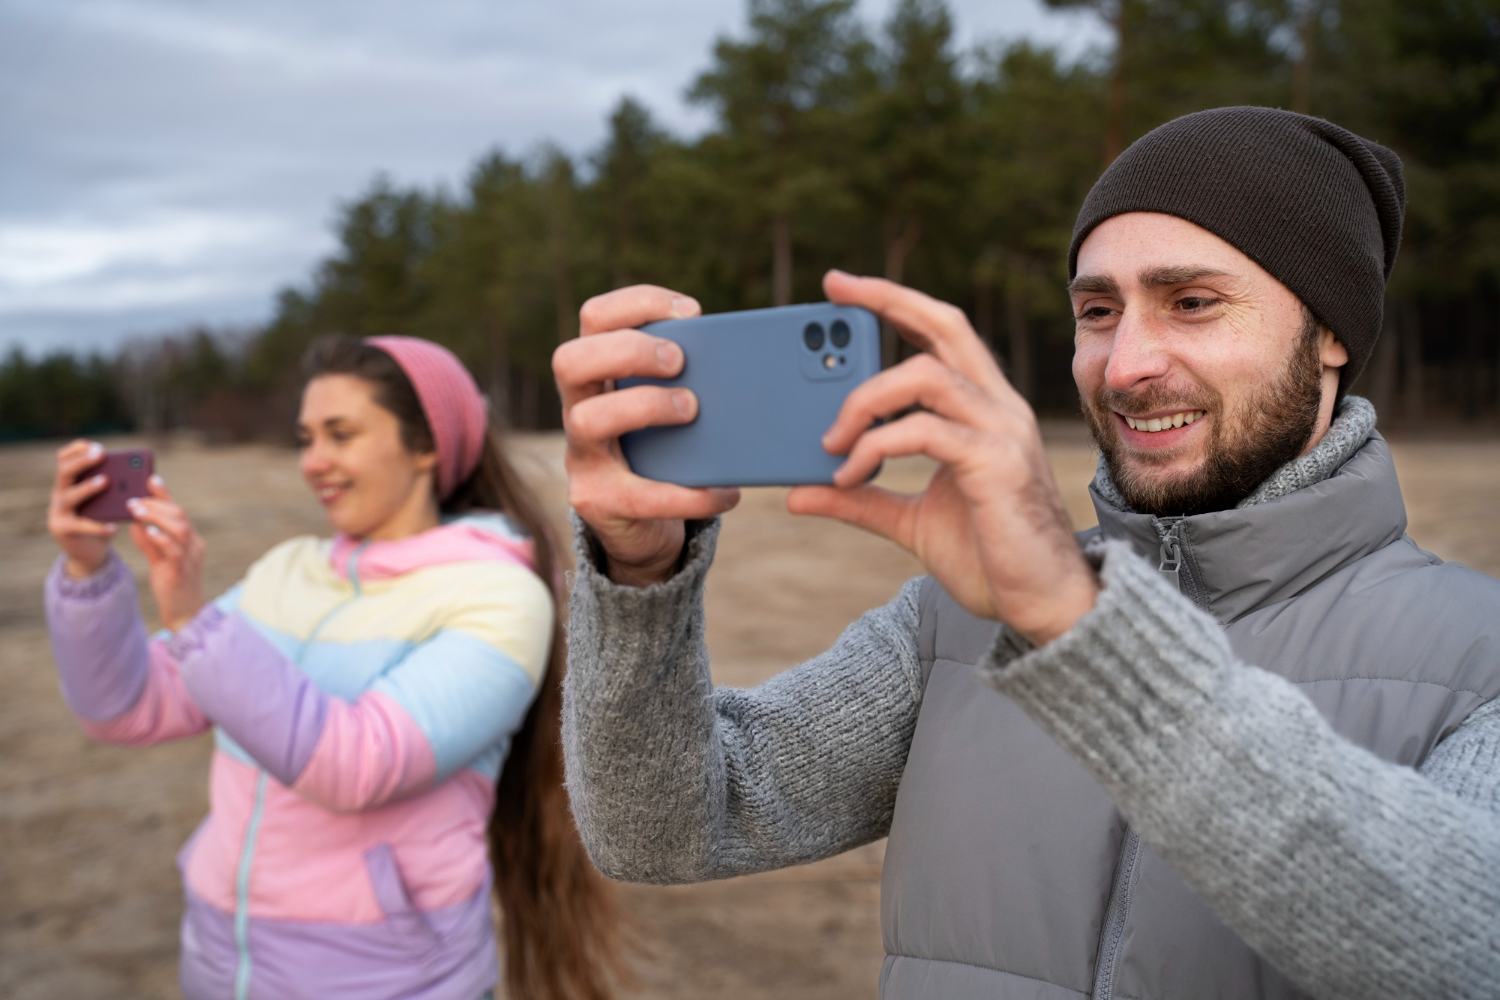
(1138, 353)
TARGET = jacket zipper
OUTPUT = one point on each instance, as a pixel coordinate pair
(1115, 914)
(1170, 563)
(252, 828)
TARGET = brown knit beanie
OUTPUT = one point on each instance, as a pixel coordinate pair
(1315, 205)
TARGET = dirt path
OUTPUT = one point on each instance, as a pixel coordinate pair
(89, 897)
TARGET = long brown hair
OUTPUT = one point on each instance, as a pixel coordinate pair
(562, 931)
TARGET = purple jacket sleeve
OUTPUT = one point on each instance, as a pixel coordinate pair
(269, 707)
(122, 687)
(346, 756)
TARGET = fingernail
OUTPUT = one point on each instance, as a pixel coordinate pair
(682, 401)
(133, 503)
(668, 354)
(95, 449)
(153, 531)
(684, 307)
(841, 274)
(97, 479)
(157, 480)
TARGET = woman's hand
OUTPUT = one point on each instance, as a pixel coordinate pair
(84, 542)
(639, 523)
(991, 526)
(174, 550)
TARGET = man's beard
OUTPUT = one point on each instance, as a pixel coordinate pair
(1270, 429)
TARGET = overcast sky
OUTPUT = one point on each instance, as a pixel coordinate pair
(171, 162)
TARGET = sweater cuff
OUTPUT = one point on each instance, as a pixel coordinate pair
(664, 603)
(1127, 678)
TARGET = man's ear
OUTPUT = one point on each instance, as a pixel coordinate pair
(1331, 352)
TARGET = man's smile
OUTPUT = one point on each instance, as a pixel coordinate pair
(1157, 430)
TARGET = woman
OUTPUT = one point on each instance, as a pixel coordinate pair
(382, 703)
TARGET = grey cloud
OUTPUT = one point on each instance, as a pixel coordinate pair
(168, 162)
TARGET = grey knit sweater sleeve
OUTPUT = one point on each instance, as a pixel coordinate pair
(1354, 876)
(674, 780)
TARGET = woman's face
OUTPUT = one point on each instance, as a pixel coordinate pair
(353, 458)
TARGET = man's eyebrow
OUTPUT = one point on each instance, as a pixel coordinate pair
(1099, 284)
(1166, 277)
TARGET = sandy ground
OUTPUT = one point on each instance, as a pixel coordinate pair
(89, 897)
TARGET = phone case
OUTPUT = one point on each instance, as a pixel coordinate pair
(128, 472)
(769, 384)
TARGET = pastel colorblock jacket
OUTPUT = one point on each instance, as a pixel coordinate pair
(362, 698)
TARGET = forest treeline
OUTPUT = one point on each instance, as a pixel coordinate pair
(880, 149)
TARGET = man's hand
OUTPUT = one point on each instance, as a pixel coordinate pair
(990, 527)
(639, 522)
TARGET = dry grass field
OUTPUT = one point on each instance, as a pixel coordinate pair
(89, 897)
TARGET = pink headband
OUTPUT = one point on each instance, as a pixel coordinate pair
(450, 400)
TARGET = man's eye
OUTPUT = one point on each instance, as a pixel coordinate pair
(1192, 303)
(1096, 312)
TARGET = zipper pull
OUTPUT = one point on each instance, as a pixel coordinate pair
(1171, 555)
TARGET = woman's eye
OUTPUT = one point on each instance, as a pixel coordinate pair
(341, 436)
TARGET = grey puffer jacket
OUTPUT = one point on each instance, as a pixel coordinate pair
(1138, 812)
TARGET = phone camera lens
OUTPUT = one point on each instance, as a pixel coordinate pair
(135, 461)
(812, 336)
(838, 333)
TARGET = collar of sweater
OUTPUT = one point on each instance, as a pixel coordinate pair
(1314, 515)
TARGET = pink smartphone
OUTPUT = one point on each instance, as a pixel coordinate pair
(128, 472)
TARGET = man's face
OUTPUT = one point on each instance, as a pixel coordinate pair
(1200, 374)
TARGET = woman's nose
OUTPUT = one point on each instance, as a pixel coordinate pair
(315, 459)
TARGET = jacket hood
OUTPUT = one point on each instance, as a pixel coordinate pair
(1243, 559)
(468, 538)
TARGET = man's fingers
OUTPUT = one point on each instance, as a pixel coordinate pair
(631, 498)
(598, 420)
(920, 381)
(582, 367)
(879, 511)
(633, 306)
(935, 326)
(918, 434)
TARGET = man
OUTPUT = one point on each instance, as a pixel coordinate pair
(1241, 740)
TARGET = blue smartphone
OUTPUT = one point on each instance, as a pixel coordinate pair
(769, 384)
